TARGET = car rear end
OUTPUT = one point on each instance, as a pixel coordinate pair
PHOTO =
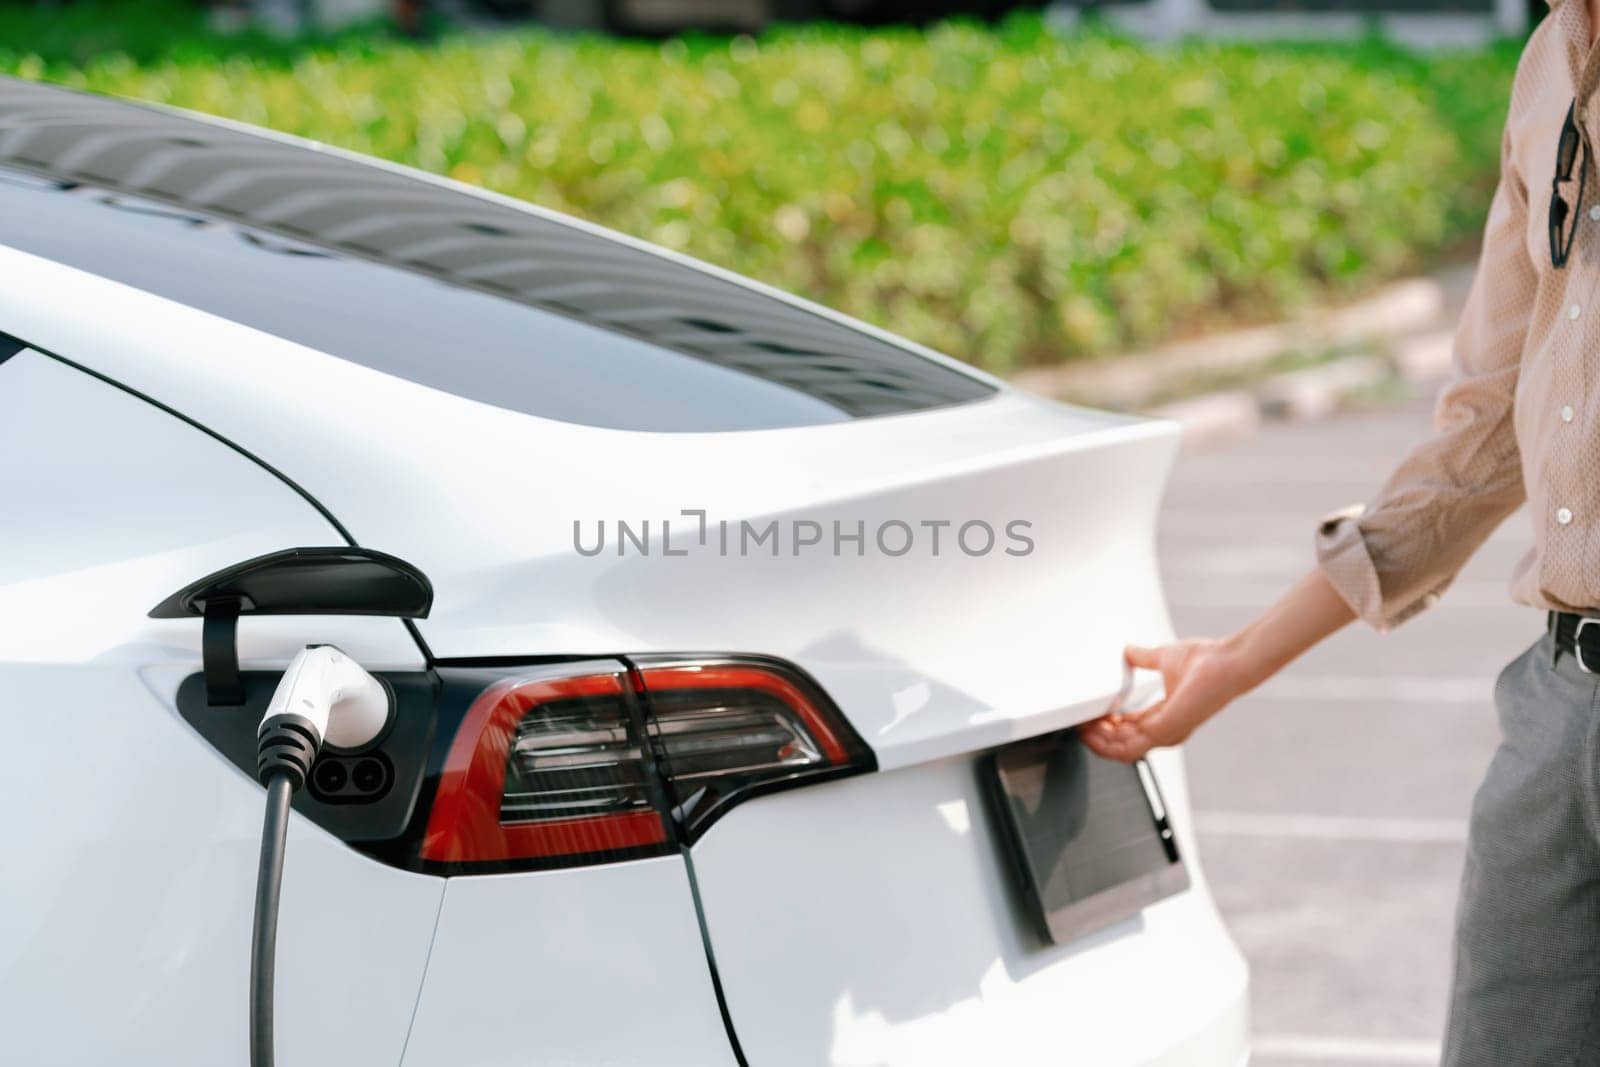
(820, 727)
(743, 614)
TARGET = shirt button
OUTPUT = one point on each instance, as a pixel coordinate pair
(1574, 311)
(1566, 413)
(1594, 213)
(1563, 516)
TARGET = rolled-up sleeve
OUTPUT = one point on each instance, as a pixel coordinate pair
(1393, 557)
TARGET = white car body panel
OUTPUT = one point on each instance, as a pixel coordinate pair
(140, 492)
(858, 941)
(127, 939)
(568, 967)
(131, 849)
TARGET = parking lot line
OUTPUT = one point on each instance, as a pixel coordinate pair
(1331, 827)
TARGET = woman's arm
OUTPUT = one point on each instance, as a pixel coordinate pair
(1203, 676)
(1394, 557)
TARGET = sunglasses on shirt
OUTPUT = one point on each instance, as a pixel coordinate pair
(1564, 216)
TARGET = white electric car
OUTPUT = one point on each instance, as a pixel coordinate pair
(731, 646)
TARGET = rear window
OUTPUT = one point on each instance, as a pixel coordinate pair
(545, 318)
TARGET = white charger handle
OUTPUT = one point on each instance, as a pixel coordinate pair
(344, 703)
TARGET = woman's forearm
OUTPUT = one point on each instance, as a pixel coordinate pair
(1302, 617)
(1203, 676)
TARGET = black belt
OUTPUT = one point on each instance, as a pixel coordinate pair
(1579, 637)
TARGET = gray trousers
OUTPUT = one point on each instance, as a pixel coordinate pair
(1526, 987)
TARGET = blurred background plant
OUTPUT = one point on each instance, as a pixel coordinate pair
(1002, 192)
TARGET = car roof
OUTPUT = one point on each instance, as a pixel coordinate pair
(396, 218)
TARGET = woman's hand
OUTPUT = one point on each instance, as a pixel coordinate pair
(1202, 677)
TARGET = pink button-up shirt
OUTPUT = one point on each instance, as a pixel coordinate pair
(1521, 419)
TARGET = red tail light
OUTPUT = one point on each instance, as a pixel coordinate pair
(543, 767)
(725, 731)
(557, 765)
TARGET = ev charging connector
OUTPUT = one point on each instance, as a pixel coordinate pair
(324, 697)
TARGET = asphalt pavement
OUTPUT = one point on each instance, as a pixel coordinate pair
(1331, 804)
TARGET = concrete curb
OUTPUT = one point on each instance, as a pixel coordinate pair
(1318, 391)
(1399, 336)
(1314, 392)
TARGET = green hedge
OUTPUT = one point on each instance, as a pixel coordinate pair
(1000, 193)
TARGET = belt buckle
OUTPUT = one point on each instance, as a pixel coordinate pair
(1577, 645)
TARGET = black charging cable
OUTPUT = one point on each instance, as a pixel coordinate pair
(286, 745)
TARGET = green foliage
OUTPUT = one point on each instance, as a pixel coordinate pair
(1001, 193)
